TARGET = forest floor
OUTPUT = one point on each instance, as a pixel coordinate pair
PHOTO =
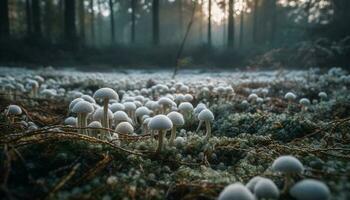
(54, 161)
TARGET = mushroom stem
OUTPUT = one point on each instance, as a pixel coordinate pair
(172, 136)
(105, 123)
(160, 141)
(287, 183)
(208, 128)
(199, 125)
(79, 123)
(83, 123)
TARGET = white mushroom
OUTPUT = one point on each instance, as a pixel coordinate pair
(82, 109)
(161, 123)
(124, 128)
(310, 189)
(266, 189)
(236, 191)
(177, 120)
(207, 116)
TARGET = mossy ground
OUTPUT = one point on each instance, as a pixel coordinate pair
(54, 162)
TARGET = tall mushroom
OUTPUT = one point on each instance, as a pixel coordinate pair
(161, 123)
(288, 165)
(105, 94)
(178, 120)
(82, 109)
(207, 116)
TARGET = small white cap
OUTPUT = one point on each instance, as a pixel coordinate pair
(83, 107)
(125, 128)
(176, 118)
(106, 93)
(287, 164)
(206, 115)
(310, 189)
(160, 122)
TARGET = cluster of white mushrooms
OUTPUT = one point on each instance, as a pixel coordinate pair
(264, 188)
(151, 115)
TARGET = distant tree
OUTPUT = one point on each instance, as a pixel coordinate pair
(273, 20)
(133, 19)
(111, 9)
(155, 22)
(255, 21)
(181, 18)
(36, 11)
(4, 19)
(231, 24)
(82, 20)
(48, 19)
(69, 21)
(92, 21)
(29, 20)
(241, 29)
(209, 23)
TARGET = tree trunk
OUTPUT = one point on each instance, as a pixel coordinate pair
(255, 21)
(111, 8)
(133, 20)
(241, 30)
(209, 23)
(4, 19)
(29, 17)
(231, 25)
(155, 24)
(181, 20)
(92, 21)
(69, 21)
(82, 20)
(273, 21)
(36, 17)
(48, 19)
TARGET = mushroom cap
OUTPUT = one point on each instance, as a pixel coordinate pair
(252, 96)
(252, 182)
(304, 101)
(120, 116)
(160, 122)
(117, 107)
(75, 101)
(95, 124)
(199, 108)
(71, 121)
(206, 115)
(266, 189)
(287, 164)
(176, 118)
(130, 106)
(323, 95)
(188, 97)
(125, 128)
(141, 111)
(88, 98)
(185, 107)
(14, 110)
(98, 114)
(165, 101)
(310, 189)
(290, 96)
(236, 191)
(83, 107)
(106, 93)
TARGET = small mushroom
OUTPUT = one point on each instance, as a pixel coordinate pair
(310, 189)
(323, 96)
(124, 128)
(252, 182)
(12, 111)
(305, 103)
(140, 112)
(177, 120)
(105, 94)
(236, 191)
(288, 165)
(95, 129)
(161, 123)
(120, 116)
(70, 121)
(82, 109)
(207, 116)
(266, 189)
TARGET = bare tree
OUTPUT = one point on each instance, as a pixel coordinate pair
(155, 20)
(231, 25)
(133, 20)
(111, 8)
(69, 21)
(209, 23)
(82, 20)
(36, 10)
